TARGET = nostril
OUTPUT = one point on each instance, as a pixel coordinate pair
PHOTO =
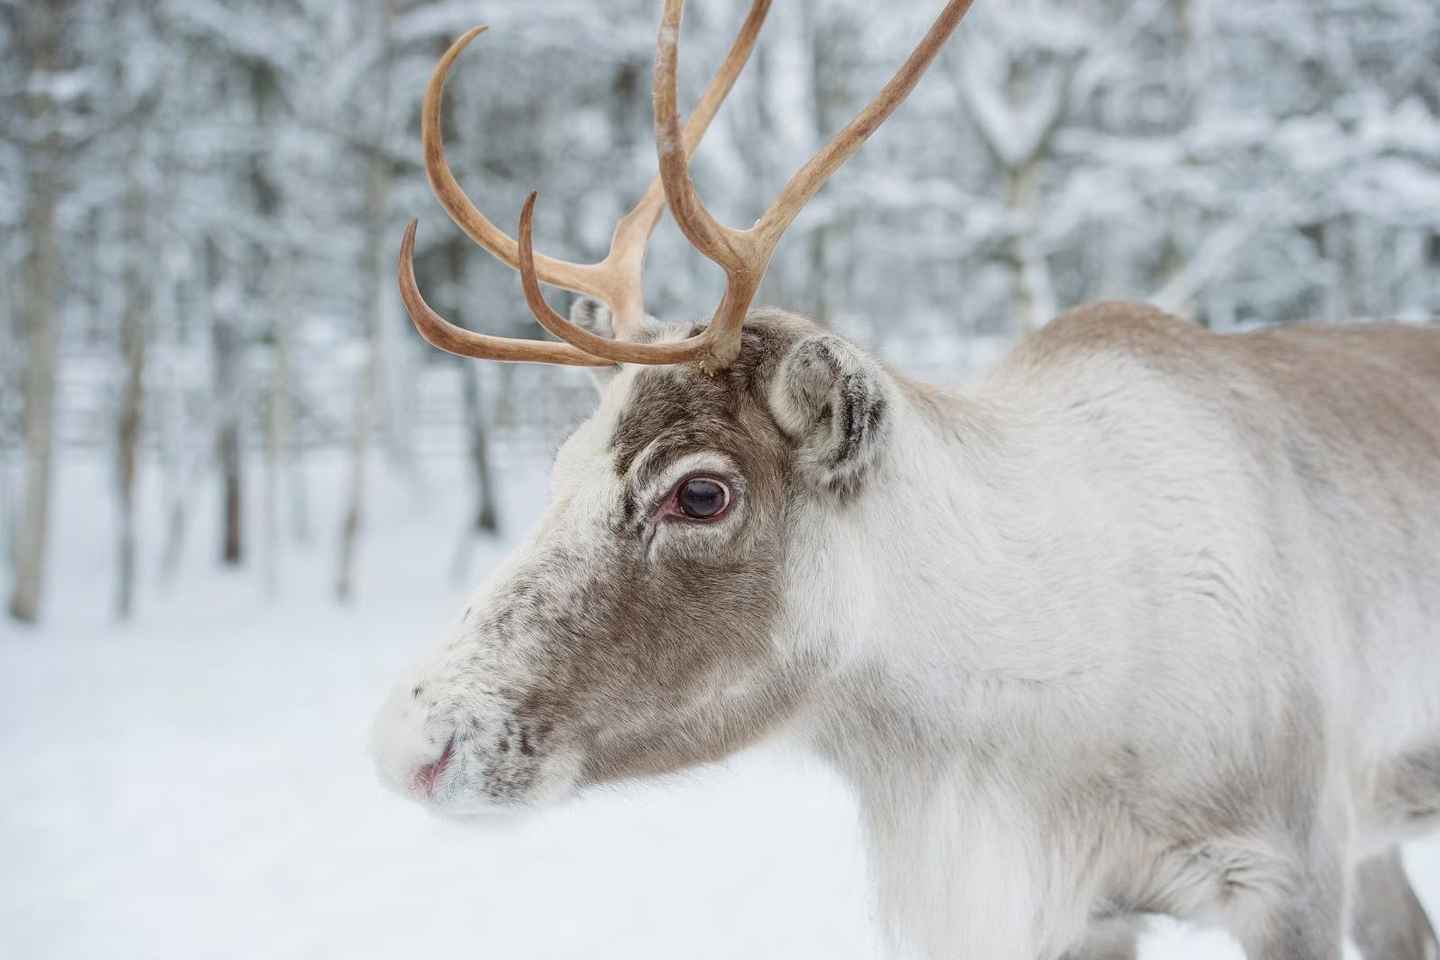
(429, 774)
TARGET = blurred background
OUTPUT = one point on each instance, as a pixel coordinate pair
(238, 492)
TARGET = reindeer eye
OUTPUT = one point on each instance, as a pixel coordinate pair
(701, 498)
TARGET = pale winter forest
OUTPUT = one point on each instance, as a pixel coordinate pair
(224, 452)
(202, 201)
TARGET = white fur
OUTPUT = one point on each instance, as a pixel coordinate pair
(1027, 637)
(1021, 603)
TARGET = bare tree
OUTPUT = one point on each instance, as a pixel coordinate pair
(1230, 164)
(1017, 86)
(41, 29)
(11, 363)
(133, 337)
(484, 515)
(376, 259)
(278, 448)
(226, 345)
(179, 464)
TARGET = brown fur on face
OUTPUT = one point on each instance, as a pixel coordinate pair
(626, 639)
(651, 660)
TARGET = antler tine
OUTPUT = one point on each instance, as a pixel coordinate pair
(745, 254)
(577, 338)
(634, 229)
(461, 342)
(580, 278)
(812, 176)
(719, 344)
(617, 280)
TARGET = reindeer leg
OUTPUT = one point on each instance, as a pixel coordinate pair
(1305, 921)
(1387, 921)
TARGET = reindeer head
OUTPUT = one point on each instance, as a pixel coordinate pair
(671, 606)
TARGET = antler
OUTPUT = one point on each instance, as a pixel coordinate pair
(617, 280)
(441, 333)
(744, 255)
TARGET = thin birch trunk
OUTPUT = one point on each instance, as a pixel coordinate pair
(132, 396)
(41, 317)
(271, 513)
(277, 431)
(11, 338)
(377, 253)
(174, 445)
(225, 342)
(351, 525)
(485, 519)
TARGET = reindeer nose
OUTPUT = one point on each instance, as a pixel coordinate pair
(427, 775)
(411, 749)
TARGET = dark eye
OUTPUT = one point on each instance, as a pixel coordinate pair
(701, 498)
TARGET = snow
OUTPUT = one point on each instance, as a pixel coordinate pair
(196, 785)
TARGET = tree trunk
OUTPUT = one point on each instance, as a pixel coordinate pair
(225, 342)
(1033, 295)
(41, 318)
(290, 448)
(821, 93)
(377, 190)
(132, 396)
(486, 520)
(273, 431)
(278, 452)
(376, 263)
(40, 315)
(10, 376)
(232, 485)
(175, 446)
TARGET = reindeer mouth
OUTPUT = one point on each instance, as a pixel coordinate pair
(427, 776)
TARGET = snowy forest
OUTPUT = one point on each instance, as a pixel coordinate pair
(202, 200)
(239, 494)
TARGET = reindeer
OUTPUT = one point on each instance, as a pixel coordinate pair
(1148, 621)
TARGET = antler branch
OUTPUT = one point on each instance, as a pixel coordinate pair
(744, 255)
(617, 280)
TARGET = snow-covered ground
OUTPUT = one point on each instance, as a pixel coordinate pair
(196, 784)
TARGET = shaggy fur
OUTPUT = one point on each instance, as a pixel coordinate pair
(1145, 623)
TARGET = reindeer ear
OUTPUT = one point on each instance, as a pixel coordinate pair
(834, 403)
(587, 313)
